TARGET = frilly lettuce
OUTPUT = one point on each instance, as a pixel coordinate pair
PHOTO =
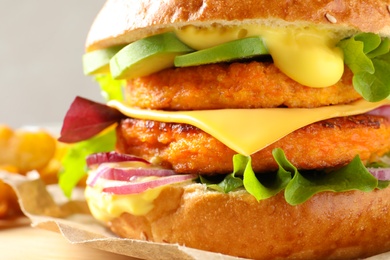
(368, 57)
(298, 186)
(111, 89)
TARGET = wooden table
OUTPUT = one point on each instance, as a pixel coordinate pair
(25, 242)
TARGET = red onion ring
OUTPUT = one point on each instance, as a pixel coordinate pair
(382, 174)
(125, 174)
(115, 173)
(138, 187)
(99, 158)
(95, 175)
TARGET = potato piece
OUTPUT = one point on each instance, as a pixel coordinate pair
(21, 151)
(26, 149)
(49, 174)
(34, 149)
(8, 201)
(6, 135)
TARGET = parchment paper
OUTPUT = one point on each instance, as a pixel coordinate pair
(47, 208)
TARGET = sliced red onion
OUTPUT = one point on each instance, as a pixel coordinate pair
(116, 172)
(99, 158)
(382, 174)
(95, 175)
(138, 187)
(125, 174)
(381, 111)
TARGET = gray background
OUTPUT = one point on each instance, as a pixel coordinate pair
(41, 44)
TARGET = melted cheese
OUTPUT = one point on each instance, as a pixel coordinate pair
(247, 131)
(305, 54)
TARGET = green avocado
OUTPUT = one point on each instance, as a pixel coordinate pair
(234, 50)
(98, 62)
(146, 56)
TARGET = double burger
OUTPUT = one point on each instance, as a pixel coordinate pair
(257, 129)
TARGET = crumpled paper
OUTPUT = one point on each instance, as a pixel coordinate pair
(47, 208)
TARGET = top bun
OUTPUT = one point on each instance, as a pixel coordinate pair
(124, 21)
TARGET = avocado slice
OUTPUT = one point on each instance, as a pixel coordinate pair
(146, 56)
(233, 50)
(98, 62)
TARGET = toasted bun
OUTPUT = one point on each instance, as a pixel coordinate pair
(124, 21)
(343, 225)
(330, 225)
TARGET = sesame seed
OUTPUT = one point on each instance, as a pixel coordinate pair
(333, 19)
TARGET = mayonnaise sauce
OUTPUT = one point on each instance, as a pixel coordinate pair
(307, 55)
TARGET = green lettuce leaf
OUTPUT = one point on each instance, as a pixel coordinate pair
(298, 186)
(367, 55)
(371, 41)
(74, 166)
(375, 86)
(383, 184)
(353, 176)
(230, 182)
(111, 89)
(227, 184)
(354, 56)
(382, 49)
(266, 186)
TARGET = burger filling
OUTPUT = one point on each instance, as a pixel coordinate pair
(305, 112)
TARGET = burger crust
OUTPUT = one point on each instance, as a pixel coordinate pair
(124, 21)
(236, 85)
(187, 149)
(347, 225)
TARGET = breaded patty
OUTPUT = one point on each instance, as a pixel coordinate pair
(325, 144)
(236, 85)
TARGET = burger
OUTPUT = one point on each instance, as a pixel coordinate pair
(256, 129)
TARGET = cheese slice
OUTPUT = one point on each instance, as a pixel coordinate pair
(247, 131)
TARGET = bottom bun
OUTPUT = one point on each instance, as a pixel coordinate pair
(330, 225)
